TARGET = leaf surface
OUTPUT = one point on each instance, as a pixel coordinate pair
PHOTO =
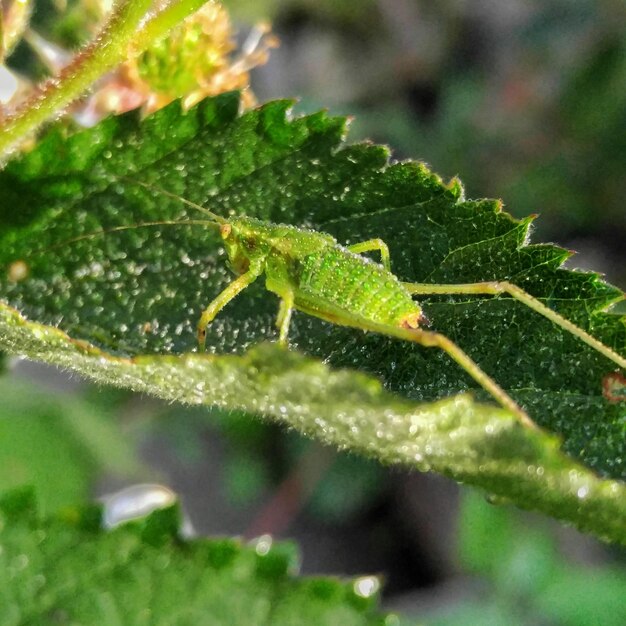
(139, 292)
(144, 573)
(470, 442)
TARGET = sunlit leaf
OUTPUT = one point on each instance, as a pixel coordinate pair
(137, 294)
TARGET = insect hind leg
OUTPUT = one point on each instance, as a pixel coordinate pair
(430, 339)
(499, 287)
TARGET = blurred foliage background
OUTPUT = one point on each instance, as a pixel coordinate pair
(522, 100)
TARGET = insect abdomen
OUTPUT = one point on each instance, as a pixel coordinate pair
(356, 285)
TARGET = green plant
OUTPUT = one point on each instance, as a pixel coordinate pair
(115, 309)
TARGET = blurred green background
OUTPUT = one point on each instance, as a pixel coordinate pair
(524, 101)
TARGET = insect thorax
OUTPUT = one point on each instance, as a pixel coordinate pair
(321, 273)
(276, 244)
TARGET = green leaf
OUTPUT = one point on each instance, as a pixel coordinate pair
(57, 444)
(525, 573)
(584, 596)
(137, 295)
(133, 579)
(470, 442)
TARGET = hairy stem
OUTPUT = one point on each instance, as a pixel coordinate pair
(108, 49)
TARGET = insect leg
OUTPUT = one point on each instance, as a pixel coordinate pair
(498, 287)
(284, 317)
(238, 285)
(373, 244)
(430, 339)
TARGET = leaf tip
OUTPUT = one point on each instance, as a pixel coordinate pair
(456, 187)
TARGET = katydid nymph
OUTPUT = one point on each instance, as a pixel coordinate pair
(312, 272)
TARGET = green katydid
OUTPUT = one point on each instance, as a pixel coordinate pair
(311, 272)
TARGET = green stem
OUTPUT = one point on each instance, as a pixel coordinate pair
(101, 55)
(158, 25)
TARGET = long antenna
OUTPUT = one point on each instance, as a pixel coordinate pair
(115, 229)
(193, 205)
(213, 221)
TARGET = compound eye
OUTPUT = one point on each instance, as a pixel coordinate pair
(225, 230)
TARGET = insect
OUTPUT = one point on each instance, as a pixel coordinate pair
(311, 272)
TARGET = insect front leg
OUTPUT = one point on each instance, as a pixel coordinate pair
(238, 285)
(499, 287)
(373, 244)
